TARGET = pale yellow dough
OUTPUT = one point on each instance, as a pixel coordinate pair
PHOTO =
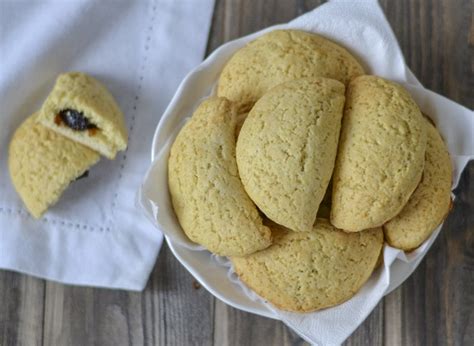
(430, 203)
(307, 271)
(207, 194)
(43, 163)
(380, 157)
(287, 147)
(280, 56)
(83, 93)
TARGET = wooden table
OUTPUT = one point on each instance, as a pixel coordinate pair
(435, 306)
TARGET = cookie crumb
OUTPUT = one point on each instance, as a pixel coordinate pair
(196, 285)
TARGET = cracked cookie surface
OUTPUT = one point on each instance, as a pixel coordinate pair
(287, 147)
(429, 205)
(207, 194)
(381, 154)
(307, 271)
(43, 163)
(280, 56)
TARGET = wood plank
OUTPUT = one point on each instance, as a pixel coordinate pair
(21, 309)
(371, 330)
(435, 39)
(78, 315)
(393, 318)
(233, 327)
(171, 311)
(186, 309)
(235, 18)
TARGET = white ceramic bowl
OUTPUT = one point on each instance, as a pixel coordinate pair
(199, 84)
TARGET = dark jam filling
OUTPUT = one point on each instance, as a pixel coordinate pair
(74, 120)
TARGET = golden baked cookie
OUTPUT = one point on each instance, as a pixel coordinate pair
(430, 203)
(287, 147)
(43, 163)
(307, 271)
(82, 109)
(380, 157)
(280, 56)
(208, 197)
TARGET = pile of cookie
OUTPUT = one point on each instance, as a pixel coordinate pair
(303, 166)
(78, 122)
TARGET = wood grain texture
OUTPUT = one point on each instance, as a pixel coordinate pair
(21, 309)
(434, 306)
(170, 311)
(233, 327)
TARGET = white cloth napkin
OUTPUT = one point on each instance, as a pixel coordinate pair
(140, 50)
(362, 27)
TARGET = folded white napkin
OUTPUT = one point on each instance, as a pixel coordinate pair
(362, 27)
(140, 50)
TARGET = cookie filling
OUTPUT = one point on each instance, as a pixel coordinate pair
(74, 120)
